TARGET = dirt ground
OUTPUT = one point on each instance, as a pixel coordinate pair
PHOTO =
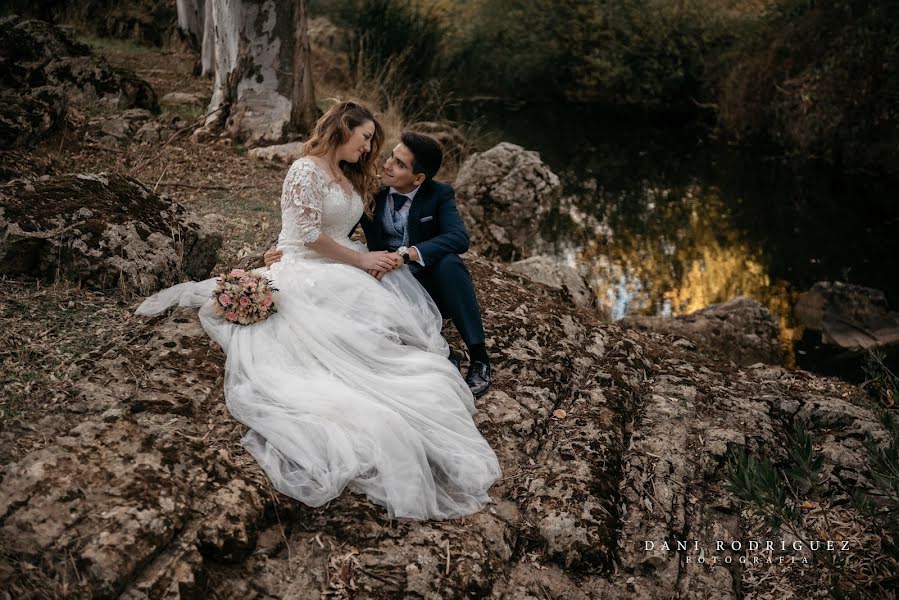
(51, 327)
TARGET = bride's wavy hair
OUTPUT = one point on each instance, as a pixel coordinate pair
(333, 129)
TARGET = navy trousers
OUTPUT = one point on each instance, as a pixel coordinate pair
(448, 281)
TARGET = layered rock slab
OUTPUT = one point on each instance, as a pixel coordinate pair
(742, 330)
(607, 438)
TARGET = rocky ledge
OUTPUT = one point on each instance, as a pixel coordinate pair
(104, 230)
(608, 439)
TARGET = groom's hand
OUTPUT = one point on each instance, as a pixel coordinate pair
(271, 256)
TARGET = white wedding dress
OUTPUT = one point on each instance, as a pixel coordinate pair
(347, 385)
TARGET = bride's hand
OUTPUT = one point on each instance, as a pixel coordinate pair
(271, 256)
(376, 261)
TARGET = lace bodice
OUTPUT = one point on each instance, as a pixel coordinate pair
(312, 204)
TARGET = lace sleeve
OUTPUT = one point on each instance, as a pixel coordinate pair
(304, 187)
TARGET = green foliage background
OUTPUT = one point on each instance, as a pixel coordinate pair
(818, 78)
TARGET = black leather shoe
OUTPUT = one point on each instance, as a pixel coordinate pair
(478, 378)
(455, 359)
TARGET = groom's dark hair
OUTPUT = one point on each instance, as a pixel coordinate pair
(426, 152)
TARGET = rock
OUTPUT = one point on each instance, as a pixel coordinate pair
(150, 133)
(42, 65)
(26, 116)
(185, 99)
(848, 317)
(285, 153)
(503, 195)
(741, 330)
(545, 270)
(104, 230)
(607, 438)
(202, 135)
(840, 324)
(135, 124)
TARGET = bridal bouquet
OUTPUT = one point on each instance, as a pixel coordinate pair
(243, 297)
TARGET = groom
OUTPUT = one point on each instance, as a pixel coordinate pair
(416, 218)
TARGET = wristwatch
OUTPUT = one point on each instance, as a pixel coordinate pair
(404, 252)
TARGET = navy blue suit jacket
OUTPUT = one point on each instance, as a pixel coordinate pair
(434, 224)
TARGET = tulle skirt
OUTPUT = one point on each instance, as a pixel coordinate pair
(348, 385)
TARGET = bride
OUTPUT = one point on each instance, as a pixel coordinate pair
(347, 385)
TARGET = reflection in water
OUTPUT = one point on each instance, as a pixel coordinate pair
(662, 252)
(684, 256)
(665, 221)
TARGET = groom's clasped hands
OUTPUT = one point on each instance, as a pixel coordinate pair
(376, 264)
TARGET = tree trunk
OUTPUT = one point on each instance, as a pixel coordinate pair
(190, 19)
(304, 112)
(207, 48)
(260, 60)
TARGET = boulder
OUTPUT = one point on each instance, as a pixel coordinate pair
(28, 115)
(285, 153)
(45, 70)
(848, 317)
(504, 194)
(741, 330)
(103, 230)
(548, 271)
(841, 322)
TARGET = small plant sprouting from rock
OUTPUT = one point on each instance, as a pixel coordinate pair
(881, 504)
(804, 471)
(757, 482)
(780, 495)
(880, 381)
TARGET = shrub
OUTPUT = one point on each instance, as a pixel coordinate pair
(820, 78)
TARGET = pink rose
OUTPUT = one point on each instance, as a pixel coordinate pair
(224, 299)
(244, 301)
(230, 316)
(237, 272)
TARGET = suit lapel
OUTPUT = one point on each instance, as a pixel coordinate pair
(414, 220)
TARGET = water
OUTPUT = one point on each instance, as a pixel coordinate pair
(664, 220)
